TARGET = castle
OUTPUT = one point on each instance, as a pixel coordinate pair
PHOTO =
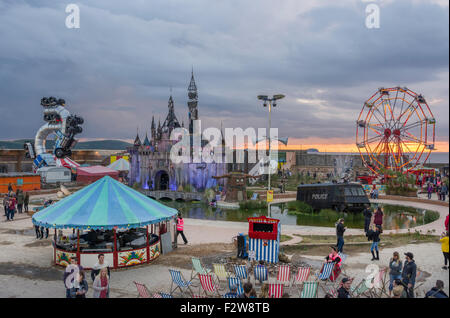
(150, 164)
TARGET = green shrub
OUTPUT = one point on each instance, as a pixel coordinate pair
(299, 206)
(328, 214)
(430, 216)
(252, 205)
(249, 194)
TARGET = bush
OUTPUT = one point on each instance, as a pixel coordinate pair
(328, 214)
(299, 206)
(249, 194)
(136, 186)
(430, 216)
(252, 205)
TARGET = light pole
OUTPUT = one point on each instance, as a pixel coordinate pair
(272, 102)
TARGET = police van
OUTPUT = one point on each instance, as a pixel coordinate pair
(342, 197)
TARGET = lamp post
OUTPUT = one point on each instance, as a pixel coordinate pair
(271, 102)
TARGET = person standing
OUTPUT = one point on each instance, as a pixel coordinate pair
(437, 291)
(101, 263)
(429, 190)
(409, 274)
(26, 200)
(367, 218)
(20, 199)
(80, 286)
(444, 190)
(70, 275)
(180, 228)
(340, 229)
(374, 236)
(378, 219)
(395, 270)
(11, 208)
(444, 242)
(6, 205)
(101, 284)
(10, 188)
(446, 223)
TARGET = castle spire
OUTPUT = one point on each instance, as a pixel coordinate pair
(192, 102)
(137, 140)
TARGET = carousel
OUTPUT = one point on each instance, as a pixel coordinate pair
(109, 218)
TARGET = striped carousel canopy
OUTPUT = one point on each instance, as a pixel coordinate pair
(104, 204)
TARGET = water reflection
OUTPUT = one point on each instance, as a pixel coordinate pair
(395, 217)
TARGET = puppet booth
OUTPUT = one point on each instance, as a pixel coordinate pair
(106, 217)
(264, 239)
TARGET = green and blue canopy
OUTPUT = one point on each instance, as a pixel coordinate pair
(104, 204)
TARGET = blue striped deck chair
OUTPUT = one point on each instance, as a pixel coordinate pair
(179, 282)
(343, 258)
(165, 295)
(260, 273)
(325, 274)
(230, 295)
(240, 271)
(235, 286)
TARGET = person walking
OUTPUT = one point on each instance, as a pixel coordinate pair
(446, 223)
(395, 270)
(101, 284)
(437, 291)
(367, 218)
(378, 219)
(444, 241)
(444, 190)
(409, 274)
(6, 205)
(20, 199)
(340, 229)
(374, 236)
(10, 188)
(26, 200)
(80, 286)
(180, 228)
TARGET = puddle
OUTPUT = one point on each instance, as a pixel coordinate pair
(27, 232)
(39, 243)
(30, 271)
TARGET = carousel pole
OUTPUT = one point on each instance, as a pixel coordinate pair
(115, 249)
(54, 247)
(148, 247)
(78, 247)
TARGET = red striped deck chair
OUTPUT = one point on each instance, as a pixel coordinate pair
(284, 274)
(332, 291)
(301, 276)
(142, 290)
(207, 285)
(379, 283)
(276, 290)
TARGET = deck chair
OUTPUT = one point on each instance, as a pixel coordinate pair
(207, 285)
(179, 282)
(379, 284)
(261, 274)
(301, 276)
(240, 271)
(284, 274)
(197, 268)
(343, 265)
(325, 274)
(332, 291)
(276, 290)
(198, 296)
(165, 295)
(142, 290)
(235, 285)
(309, 290)
(230, 295)
(361, 290)
(220, 272)
(419, 276)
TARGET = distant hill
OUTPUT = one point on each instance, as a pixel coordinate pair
(97, 144)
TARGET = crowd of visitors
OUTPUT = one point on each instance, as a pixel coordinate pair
(15, 202)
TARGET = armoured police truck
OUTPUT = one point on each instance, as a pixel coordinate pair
(342, 197)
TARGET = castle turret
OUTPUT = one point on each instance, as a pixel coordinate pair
(192, 103)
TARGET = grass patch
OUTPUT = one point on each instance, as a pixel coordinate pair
(396, 239)
(252, 205)
(285, 238)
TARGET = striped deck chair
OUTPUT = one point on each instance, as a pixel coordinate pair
(179, 282)
(276, 290)
(332, 291)
(220, 272)
(284, 274)
(197, 268)
(301, 276)
(325, 274)
(309, 290)
(261, 274)
(207, 285)
(165, 295)
(361, 290)
(379, 284)
(235, 285)
(230, 295)
(419, 278)
(240, 271)
(198, 296)
(142, 290)
(343, 258)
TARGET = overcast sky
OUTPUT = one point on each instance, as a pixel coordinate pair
(117, 69)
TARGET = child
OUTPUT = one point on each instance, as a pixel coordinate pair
(444, 241)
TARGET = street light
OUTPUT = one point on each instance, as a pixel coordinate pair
(272, 102)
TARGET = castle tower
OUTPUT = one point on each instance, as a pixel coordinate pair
(153, 129)
(192, 102)
(171, 121)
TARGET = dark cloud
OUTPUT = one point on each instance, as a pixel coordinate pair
(118, 68)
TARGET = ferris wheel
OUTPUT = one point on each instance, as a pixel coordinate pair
(395, 130)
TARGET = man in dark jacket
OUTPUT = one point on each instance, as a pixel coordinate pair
(367, 218)
(344, 290)
(409, 273)
(340, 229)
(437, 292)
